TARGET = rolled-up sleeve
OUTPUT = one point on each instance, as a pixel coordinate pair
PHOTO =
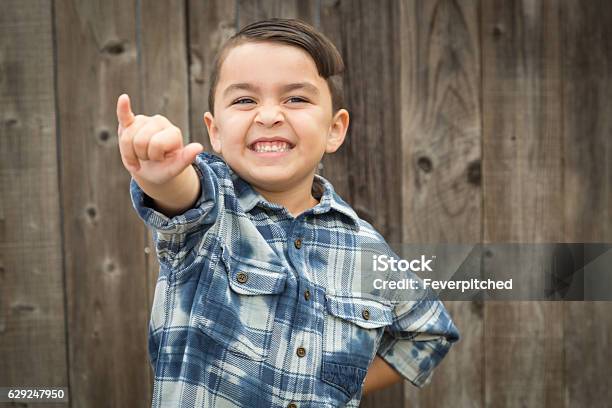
(175, 236)
(420, 336)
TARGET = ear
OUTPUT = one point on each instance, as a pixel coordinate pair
(337, 131)
(213, 132)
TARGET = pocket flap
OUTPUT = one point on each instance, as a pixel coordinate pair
(362, 311)
(254, 276)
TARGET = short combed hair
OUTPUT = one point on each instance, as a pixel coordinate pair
(293, 32)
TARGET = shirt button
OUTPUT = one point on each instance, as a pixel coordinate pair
(366, 314)
(301, 351)
(307, 295)
(298, 243)
(241, 277)
(292, 405)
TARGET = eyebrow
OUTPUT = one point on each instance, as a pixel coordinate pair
(285, 88)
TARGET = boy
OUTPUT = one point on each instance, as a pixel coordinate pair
(255, 302)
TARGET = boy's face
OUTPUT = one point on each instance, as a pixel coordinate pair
(270, 131)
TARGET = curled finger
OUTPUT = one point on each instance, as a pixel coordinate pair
(143, 137)
(164, 142)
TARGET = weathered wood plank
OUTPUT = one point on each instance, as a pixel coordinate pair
(367, 167)
(164, 91)
(441, 136)
(250, 11)
(336, 167)
(32, 313)
(587, 126)
(97, 59)
(523, 193)
(164, 62)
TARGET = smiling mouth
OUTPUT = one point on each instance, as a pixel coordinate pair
(271, 147)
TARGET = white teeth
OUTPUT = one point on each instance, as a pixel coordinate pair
(262, 147)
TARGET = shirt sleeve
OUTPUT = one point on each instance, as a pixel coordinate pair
(418, 339)
(176, 236)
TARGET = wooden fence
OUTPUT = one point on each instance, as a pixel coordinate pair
(471, 121)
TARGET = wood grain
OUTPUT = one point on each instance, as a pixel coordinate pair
(366, 169)
(164, 90)
(252, 10)
(441, 176)
(32, 312)
(523, 198)
(106, 279)
(587, 127)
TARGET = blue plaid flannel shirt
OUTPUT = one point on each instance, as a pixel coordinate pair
(256, 308)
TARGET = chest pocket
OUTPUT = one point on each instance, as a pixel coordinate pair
(353, 327)
(239, 306)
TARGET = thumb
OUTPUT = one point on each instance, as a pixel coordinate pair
(190, 152)
(125, 116)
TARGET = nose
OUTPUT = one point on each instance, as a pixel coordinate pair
(269, 115)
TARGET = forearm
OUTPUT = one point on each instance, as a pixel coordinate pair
(177, 195)
(380, 375)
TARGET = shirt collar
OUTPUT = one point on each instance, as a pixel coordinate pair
(321, 190)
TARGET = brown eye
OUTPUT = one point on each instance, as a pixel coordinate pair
(297, 99)
(240, 101)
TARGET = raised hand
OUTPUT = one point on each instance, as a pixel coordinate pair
(151, 147)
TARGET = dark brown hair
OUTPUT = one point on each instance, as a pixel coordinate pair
(291, 32)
